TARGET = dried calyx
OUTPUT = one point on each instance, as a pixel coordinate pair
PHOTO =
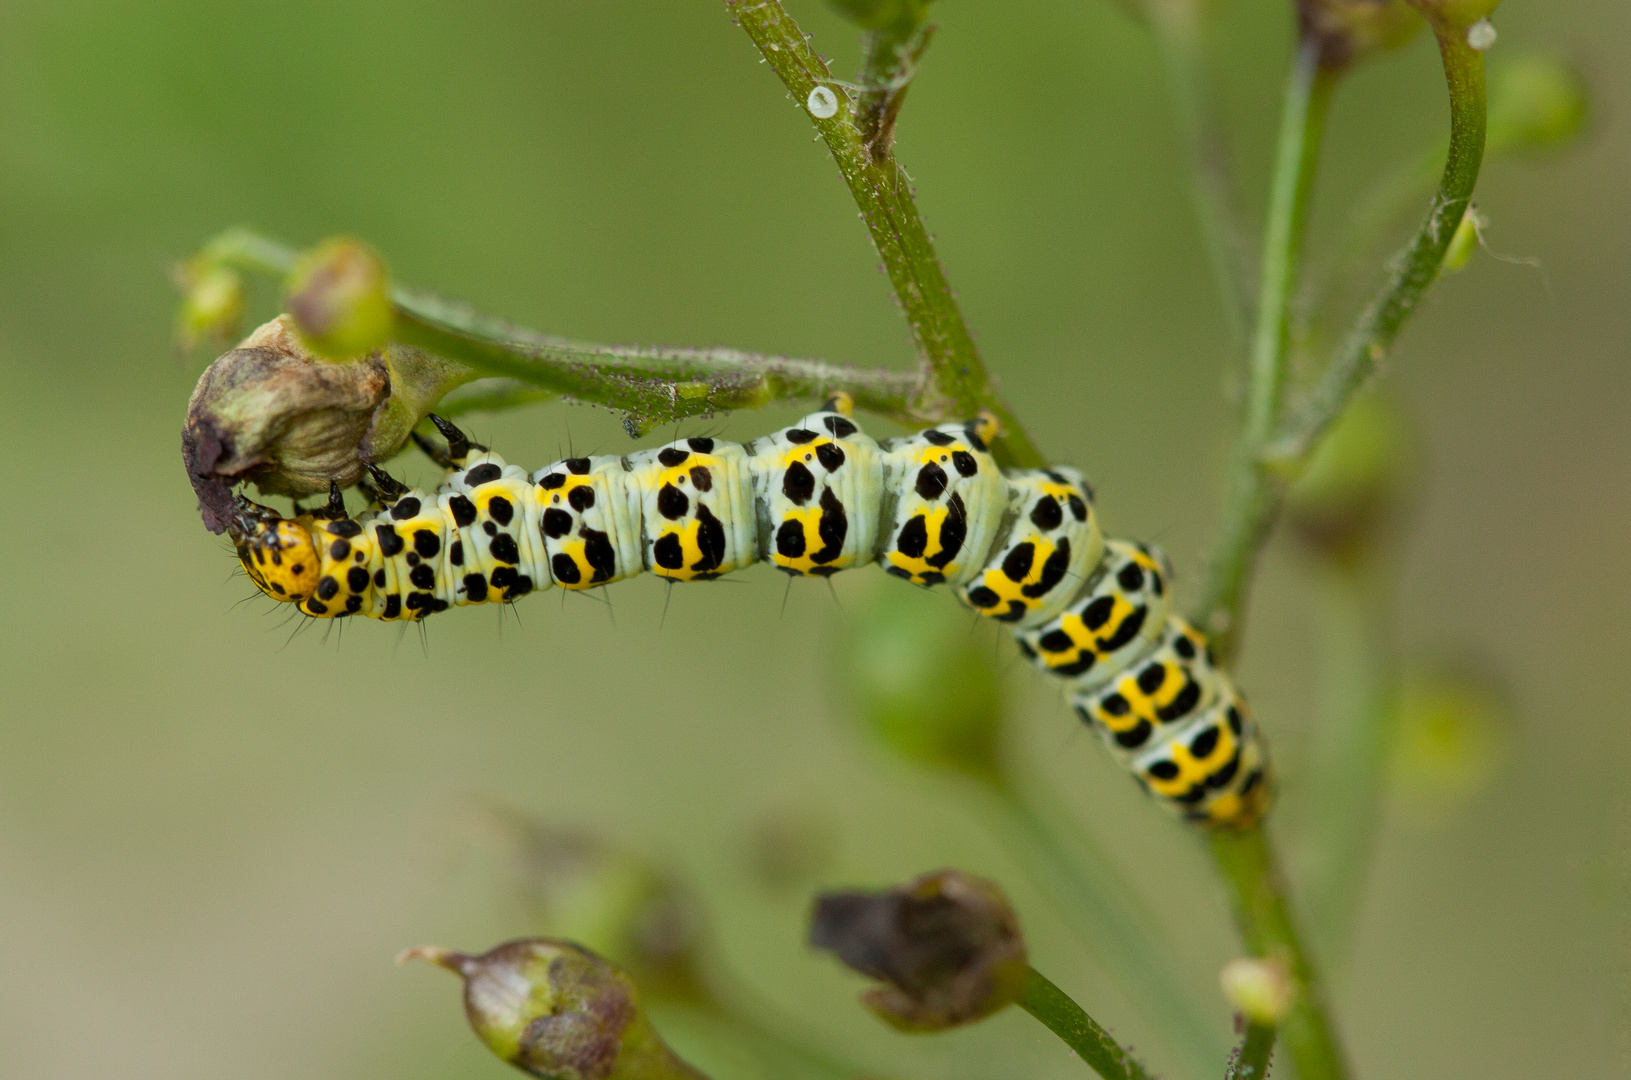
(559, 1012)
(947, 947)
(273, 412)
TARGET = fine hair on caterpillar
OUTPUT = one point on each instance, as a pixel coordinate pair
(1022, 547)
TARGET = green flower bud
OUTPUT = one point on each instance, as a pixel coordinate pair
(947, 946)
(1260, 990)
(212, 305)
(1464, 242)
(1350, 30)
(340, 296)
(1355, 481)
(1451, 725)
(559, 1012)
(899, 16)
(272, 412)
(923, 685)
(1536, 103)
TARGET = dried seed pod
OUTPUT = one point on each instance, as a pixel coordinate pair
(558, 1011)
(271, 411)
(947, 946)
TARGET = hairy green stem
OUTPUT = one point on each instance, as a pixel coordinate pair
(1105, 910)
(1252, 1063)
(1416, 266)
(1079, 1031)
(650, 385)
(883, 193)
(1246, 861)
(1179, 36)
(1302, 124)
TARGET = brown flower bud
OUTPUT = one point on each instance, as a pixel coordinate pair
(1350, 30)
(947, 945)
(273, 412)
(558, 1011)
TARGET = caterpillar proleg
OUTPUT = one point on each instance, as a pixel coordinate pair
(1022, 547)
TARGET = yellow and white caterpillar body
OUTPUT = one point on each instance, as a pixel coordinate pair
(1021, 546)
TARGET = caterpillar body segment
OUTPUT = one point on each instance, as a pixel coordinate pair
(948, 499)
(809, 482)
(696, 508)
(812, 499)
(1050, 542)
(590, 522)
(1114, 619)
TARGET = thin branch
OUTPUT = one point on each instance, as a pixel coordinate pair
(883, 193)
(1111, 919)
(1079, 1031)
(1252, 1062)
(1307, 102)
(1246, 861)
(651, 385)
(1179, 37)
(1255, 502)
(1347, 766)
(1414, 269)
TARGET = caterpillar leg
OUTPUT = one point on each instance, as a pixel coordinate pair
(458, 444)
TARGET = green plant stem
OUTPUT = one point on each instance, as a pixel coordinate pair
(1106, 911)
(1348, 763)
(1302, 124)
(651, 385)
(883, 193)
(1414, 269)
(1079, 1031)
(1246, 861)
(1179, 37)
(716, 1022)
(1259, 492)
(1252, 1063)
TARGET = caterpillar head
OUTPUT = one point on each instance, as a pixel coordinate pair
(279, 556)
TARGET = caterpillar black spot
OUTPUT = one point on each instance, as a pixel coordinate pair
(1022, 547)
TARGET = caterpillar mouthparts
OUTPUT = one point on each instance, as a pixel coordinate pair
(1022, 547)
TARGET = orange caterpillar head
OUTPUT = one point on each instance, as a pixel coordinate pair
(279, 556)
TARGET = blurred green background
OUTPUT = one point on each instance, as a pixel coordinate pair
(213, 838)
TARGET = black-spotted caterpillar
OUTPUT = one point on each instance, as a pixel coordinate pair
(1023, 547)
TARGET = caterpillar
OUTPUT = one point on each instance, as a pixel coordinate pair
(1021, 546)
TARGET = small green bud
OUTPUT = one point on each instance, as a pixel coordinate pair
(1355, 480)
(1536, 103)
(212, 306)
(340, 296)
(559, 1012)
(923, 685)
(1464, 242)
(1351, 30)
(272, 412)
(947, 946)
(1260, 990)
(1451, 724)
(889, 15)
